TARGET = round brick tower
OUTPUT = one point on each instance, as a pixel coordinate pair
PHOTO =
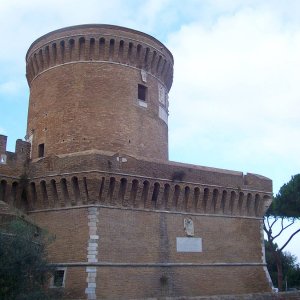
(98, 87)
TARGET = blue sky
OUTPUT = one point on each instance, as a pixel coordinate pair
(235, 100)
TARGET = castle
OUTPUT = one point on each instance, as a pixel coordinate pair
(94, 171)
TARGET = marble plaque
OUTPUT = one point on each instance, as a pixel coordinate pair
(188, 244)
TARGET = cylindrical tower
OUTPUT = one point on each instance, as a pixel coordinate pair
(98, 87)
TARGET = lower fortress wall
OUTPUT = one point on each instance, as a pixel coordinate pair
(129, 228)
(117, 251)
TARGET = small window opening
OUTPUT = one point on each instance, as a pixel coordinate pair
(142, 92)
(59, 278)
(41, 150)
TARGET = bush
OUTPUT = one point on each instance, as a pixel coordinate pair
(24, 270)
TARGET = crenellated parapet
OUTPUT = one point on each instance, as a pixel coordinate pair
(10, 160)
(100, 44)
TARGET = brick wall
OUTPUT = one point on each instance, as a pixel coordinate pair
(137, 256)
(67, 231)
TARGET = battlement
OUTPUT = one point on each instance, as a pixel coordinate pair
(22, 152)
(98, 44)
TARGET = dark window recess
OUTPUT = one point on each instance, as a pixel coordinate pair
(142, 92)
(41, 150)
(58, 280)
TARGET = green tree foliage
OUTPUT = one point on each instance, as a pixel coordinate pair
(284, 211)
(24, 272)
(290, 269)
(287, 201)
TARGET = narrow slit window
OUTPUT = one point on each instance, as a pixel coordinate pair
(41, 150)
(142, 92)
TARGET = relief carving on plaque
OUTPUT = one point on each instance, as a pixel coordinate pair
(188, 227)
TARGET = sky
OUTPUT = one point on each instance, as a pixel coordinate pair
(235, 99)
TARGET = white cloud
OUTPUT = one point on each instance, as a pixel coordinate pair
(22, 22)
(10, 87)
(236, 88)
(2, 130)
